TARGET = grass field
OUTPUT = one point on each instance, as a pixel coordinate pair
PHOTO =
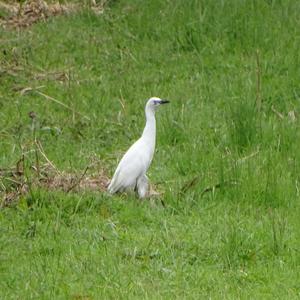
(227, 162)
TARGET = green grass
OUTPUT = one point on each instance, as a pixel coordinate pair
(240, 241)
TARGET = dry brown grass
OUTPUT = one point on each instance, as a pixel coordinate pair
(22, 178)
(24, 14)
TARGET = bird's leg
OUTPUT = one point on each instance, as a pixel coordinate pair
(142, 186)
(136, 186)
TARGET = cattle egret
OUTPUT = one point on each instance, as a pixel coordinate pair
(132, 169)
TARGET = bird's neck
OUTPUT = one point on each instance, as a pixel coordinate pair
(149, 132)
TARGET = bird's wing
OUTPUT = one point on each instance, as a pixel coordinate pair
(133, 164)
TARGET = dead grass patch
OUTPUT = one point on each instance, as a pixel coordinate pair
(24, 177)
(21, 14)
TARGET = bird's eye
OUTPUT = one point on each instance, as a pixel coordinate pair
(156, 102)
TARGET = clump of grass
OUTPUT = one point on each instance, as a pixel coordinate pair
(244, 125)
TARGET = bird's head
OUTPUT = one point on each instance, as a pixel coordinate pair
(154, 102)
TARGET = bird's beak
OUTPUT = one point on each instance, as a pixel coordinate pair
(164, 101)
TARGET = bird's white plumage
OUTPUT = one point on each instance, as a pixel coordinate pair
(131, 171)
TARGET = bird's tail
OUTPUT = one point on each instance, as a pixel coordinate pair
(114, 186)
(110, 187)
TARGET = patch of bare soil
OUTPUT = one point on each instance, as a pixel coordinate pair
(24, 177)
(24, 14)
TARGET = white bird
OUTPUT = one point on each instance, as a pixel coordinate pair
(132, 169)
